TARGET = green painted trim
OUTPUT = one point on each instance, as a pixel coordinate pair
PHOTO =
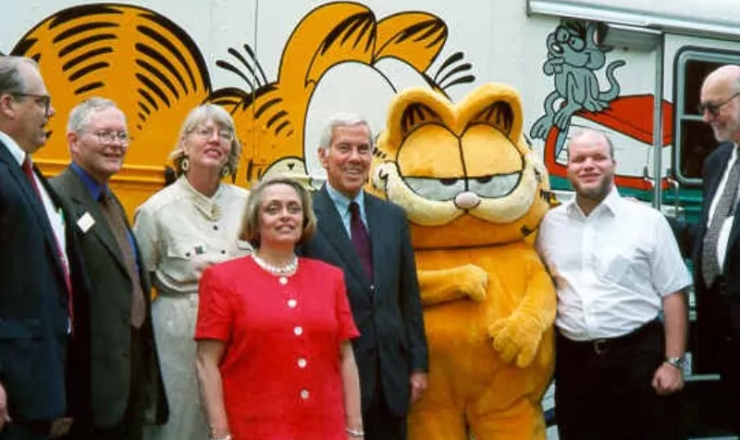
(689, 198)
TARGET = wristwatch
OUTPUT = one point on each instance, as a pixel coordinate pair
(674, 361)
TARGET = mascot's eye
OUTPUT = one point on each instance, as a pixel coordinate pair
(562, 35)
(436, 189)
(493, 187)
(576, 44)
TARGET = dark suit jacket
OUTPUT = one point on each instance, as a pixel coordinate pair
(386, 312)
(34, 342)
(691, 237)
(110, 311)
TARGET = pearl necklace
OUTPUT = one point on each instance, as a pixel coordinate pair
(286, 268)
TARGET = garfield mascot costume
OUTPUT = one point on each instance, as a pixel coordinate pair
(474, 193)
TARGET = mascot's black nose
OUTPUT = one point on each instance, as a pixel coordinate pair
(556, 48)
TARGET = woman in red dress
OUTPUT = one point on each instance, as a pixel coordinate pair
(274, 357)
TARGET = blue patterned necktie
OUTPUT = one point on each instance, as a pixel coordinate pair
(360, 239)
(725, 208)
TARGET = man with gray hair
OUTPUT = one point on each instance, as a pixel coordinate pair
(125, 374)
(43, 287)
(369, 239)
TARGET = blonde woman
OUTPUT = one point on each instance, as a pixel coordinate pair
(182, 230)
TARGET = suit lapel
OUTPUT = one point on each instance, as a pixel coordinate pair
(714, 182)
(332, 228)
(374, 215)
(724, 158)
(734, 232)
(28, 192)
(34, 202)
(83, 203)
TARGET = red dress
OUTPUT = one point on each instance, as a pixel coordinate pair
(280, 369)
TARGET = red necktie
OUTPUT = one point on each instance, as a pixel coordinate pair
(28, 171)
(361, 239)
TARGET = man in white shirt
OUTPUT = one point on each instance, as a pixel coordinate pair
(615, 264)
(715, 244)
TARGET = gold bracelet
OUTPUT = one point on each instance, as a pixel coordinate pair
(354, 432)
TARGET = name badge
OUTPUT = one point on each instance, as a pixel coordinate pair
(85, 222)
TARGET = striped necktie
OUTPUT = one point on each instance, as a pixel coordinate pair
(725, 208)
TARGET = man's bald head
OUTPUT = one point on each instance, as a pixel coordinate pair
(728, 76)
(720, 102)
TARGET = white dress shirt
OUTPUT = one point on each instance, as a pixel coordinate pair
(724, 233)
(341, 202)
(54, 213)
(611, 268)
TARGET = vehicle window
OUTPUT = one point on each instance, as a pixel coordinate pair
(693, 138)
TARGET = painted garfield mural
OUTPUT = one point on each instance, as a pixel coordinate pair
(152, 67)
(474, 192)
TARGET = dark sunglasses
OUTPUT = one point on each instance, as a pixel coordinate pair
(714, 109)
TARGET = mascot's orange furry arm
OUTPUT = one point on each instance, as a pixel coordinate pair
(474, 193)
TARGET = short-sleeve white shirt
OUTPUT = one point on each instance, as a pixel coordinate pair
(611, 268)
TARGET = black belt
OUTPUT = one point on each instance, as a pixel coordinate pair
(605, 345)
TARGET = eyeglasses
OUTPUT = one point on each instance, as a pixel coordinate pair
(109, 137)
(224, 135)
(564, 35)
(714, 109)
(42, 100)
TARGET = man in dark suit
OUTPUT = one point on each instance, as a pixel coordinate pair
(43, 288)
(124, 364)
(715, 242)
(369, 239)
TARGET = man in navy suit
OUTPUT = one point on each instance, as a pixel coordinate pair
(715, 243)
(369, 239)
(42, 284)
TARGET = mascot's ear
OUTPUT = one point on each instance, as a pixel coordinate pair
(415, 115)
(413, 108)
(497, 105)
